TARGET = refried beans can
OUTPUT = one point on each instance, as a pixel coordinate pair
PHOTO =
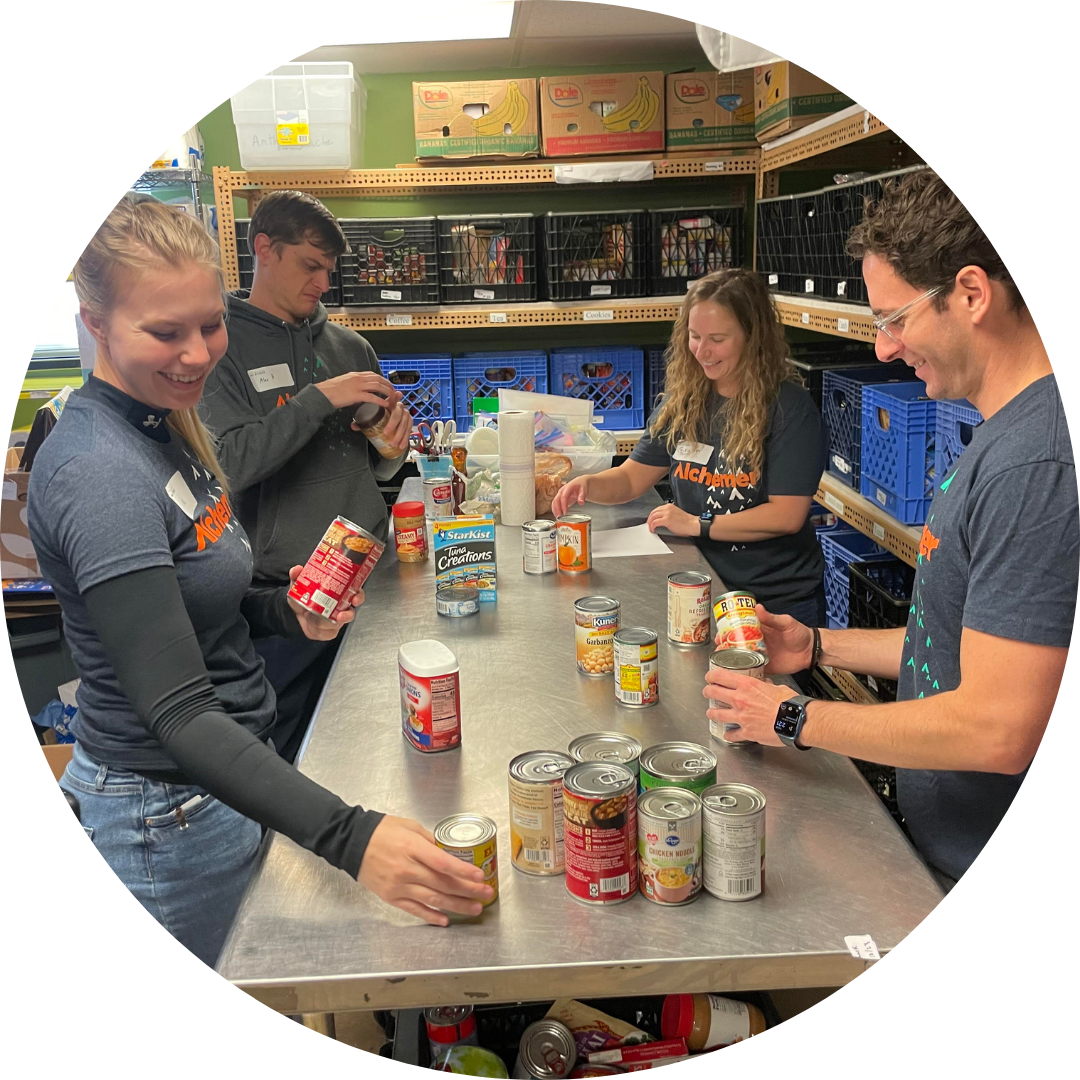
(538, 547)
(669, 845)
(733, 841)
(596, 619)
(438, 497)
(600, 811)
(430, 696)
(547, 1051)
(688, 599)
(637, 680)
(677, 764)
(536, 811)
(609, 746)
(574, 543)
(471, 838)
(337, 569)
(737, 624)
(745, 662)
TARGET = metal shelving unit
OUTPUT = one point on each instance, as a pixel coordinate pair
(853, 321)
(199, 183)
(869, 518)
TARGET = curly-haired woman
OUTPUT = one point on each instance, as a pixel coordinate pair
(742, 443)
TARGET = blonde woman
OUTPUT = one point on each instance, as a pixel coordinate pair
(742, 444)
(130, 517)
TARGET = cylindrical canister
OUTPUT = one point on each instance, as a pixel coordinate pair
(609, 746)
(410, 532)
(677, 764)
(536, 811)
(430, 695)
(574, 543)
(737, 624)
(546, 1052)
(600, 811)
(438, 497)
(745, 662)
(450, 1025)
(456, 601)
(688, 602)
(538, 547)
(637, 678)
(733, 840)
(596, 619)
(472, 838)
(372, 419)
(669, 845)
(337, 569)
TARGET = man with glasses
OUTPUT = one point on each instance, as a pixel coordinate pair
(981, 658)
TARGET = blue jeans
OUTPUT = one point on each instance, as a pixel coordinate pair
(185, 856)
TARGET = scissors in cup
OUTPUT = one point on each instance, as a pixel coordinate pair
(443, 434)
(422, 440)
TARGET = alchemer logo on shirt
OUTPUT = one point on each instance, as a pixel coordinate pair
(212, 525)
(700, 474)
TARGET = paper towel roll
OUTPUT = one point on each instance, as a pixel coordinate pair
(517, 491)
(516, 437)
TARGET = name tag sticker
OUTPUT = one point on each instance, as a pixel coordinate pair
(271, 378)
(698, 453)
(180, 493)
(862, 947)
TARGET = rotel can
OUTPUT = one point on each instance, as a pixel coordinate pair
(733, 840)
(669, 845)
(574, 543)
(600, 811)
(536, 811)
(677, 764)
(737, 624)
(745, 662)
(430, 696)
(538, 547)
(337, 569)
(471, 838)
(596, 620)
(637, 680)
(688, 598)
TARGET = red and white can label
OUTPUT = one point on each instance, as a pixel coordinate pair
(337, 569)
(430, 710)
(600, 840)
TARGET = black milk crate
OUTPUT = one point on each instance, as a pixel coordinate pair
(484, 258)
(689, 242)
(776, 254)
(393, 261)
(655, 375)
(596, 256)
(245, 261)
(879, 598)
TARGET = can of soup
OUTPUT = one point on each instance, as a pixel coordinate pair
(745, 662)
(669, 845)
(450, 1025)
(596, 619)
(430, 696)
(637, 680)
(456, 601)
(574, 543)
(438, 497)
(677, 764)
(538, 547)
(536, 811)
(737, 624)
(471, 838)
(546, 1052)
(600, 811)
(688, 597)
(337, 569)
(609, 746)
(733, 841)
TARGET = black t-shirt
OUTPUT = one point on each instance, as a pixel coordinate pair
(784, 570)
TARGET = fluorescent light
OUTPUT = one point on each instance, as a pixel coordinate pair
(470, 21)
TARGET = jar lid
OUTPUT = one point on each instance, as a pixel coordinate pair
(408, 509)
(677, 1016)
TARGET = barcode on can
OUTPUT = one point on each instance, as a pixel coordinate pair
(630, 697)
(327, 603)
(538, 855)
(620, 884)
(741, 886)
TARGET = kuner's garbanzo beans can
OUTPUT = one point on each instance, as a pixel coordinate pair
(737, 624)
(637, 680)
(610, 746)
(538, 547)
(536, 811)
(600, 811)
(596, 618)
(471, 838)
(677, 764)
(669, 845)
(688, 597)
(574, 543)
(745, 662)
(733, 840)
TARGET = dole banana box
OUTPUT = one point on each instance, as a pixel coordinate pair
(464, 549)
(787, 98)
(710, 111)
(486, 118)
(602, 114)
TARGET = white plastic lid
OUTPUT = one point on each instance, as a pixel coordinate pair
(427, 657)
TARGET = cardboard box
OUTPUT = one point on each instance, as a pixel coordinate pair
(710, 111)
(787, 98)
(17, 558)
(464, 550)
(58, 755)
(486, 118)
(602, 114)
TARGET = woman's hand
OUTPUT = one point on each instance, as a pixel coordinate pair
(789, 644)
(750, 703)
(403, 867)
(571, 494)
(315, 626)
(676, 521)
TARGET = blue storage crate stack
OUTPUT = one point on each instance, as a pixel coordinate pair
(424, 381)
(482, 374)
(613, 379)
(898, 450)
(841, 545)
(656, 370)
(841, 408)
(955, 422)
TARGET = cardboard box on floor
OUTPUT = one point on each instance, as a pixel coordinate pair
(787, 98)
(485, 118)
(17, 558)
(602, 114)
(707, 110)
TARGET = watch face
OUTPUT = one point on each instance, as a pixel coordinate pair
(787, 720)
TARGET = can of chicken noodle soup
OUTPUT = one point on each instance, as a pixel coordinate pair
(609, 746)
(596, 618)
(546, 1052)
(669, 845)
(600, 812)
(574, 543)
(471, 838)
(737, 624)
(745, 662)
(337, 569)
(688, 597)
(538, 547)
(536, 811)
(733, 841)
(677, 764)
(637, 679)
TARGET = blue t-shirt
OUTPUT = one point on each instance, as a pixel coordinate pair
(999, 554)
(113, 490)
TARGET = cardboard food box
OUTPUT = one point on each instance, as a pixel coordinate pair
(707, 110)
(602, 114)
(486, 118)
(464, 550)
(17, 558)
(787, 98)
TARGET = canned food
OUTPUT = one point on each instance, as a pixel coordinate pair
(737, 624)
(536, 811)
(546, 1052)
(688, 596)
(450, 1025)
(471, 838)
(538, 547)
(677, 764)
(430, 695)
(669, 845)
(337, 569)
(637, 680)
(733, 841)
(596, 620)
(410, 534)
(745, 662)
(574, 543)
(438, 497)
(600, 811)
(611, 746)
(457, 601)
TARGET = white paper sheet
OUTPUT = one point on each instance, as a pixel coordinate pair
(636, 540)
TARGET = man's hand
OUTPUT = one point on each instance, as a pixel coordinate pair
(789, 644)
(357, 386)
(752, 704)
(315, 626)
(573, 493)
(676, 521)
(398, 427)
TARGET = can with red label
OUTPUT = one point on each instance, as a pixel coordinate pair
(337, 569)
(438, 497)
(737, 624)
(600, 832)
(450, 1025)
(430, 696)
(688, 596)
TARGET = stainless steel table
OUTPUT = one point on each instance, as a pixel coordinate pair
(310, 940)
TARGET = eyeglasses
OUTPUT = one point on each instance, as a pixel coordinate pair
(881, 325)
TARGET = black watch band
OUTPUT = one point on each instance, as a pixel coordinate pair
(790, 718)
(815, 656)
(706, 525)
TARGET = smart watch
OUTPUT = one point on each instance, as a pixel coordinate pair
(790, 718)
(706, 524)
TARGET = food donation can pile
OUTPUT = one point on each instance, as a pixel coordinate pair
(574, 543)
(609, 746)
(637, 678)
(733, 840)
(677, 764)
(688, 600)
(538, 544)
(430, 695)
(536, 811)
(737, 624)
(744, 662)
(410, 533)
(472, 838)
(546, 1052)
(337, 569)
(669, 845)
(596, 619)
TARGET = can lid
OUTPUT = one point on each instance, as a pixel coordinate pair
(669, 803)
(457, 593)
(427, 658)
(596, 604)
(598, 779)
(605, 746)
(540, 766)
(677, 760)
(573, 519)
(689, 577)
(635, 635)
(677, 1016)
(548, 1050)
(539, 525)
(464, 830)
(409, 509)
(737, 659)
(734, 800)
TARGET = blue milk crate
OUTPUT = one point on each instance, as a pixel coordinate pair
(955, 422)
(841, 545)
(656, 370)
(841, 409)
(481, 374)
(424, 382)
(898, 435)
(613, 379)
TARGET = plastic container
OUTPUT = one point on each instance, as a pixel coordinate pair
(707, 1021)
(841, 546)
(687, 243)
(955, 421)
(613, 379)
(300, 117)
(393, 261)
(424, 382)
(596, 256)
(841, 409)
(655, 374)
(879, 598)
(481, 374)
(485, 259)
(430, 696)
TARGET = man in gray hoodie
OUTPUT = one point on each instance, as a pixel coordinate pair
(281, 403)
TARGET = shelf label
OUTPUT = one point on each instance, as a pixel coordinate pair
(841, 288)
(714, 166)
(862, 947)
(484, 294)
(879, 531)
(600, 290)
(842, 325)
(806, 318)
(809, 286)
(399, 320)
(599, 316)
(872, 683)
(774, 279)
(496, 316)
(389, 294)
(833, 503)
(841, 464)
(882, 497)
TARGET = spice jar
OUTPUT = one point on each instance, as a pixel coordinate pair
(410, 539)
(707, 1021)
(372, 419)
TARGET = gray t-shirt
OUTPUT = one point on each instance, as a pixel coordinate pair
(999, 554)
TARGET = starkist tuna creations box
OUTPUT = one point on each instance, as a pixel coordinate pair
(464, 549)
(486, 118)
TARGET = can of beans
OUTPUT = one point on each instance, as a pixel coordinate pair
(609, 746)
(438, 497)
(596, 619)
(410, 533)
(745, 662)
(337, 569)
(733, 841)
(737, 624)
(546, 1052)
(430, 696)
(450, 1025)
(456, 601)
(669, 845)
(600, 811)
(536, 811)
(538, 547)
(688, 596)
(677, 764)
(574, 543)
(637, 680)
(471, 838)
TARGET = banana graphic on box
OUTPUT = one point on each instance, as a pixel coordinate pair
(639, 113)
(512, 111)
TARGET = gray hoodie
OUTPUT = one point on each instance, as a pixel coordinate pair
(293, 461)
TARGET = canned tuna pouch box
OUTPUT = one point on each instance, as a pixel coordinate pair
(464, 550)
